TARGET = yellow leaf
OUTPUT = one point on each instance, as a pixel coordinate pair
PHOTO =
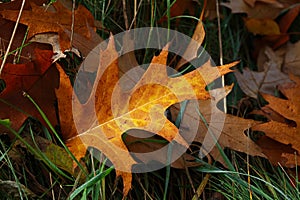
(262, 26)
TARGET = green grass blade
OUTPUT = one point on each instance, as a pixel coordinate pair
(90, 182)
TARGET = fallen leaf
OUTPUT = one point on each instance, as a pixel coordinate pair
(211, 11)
(53, 40)
(194, 45)
(11, 189)
(274, 3)
(270, 114)
(264, 57)
(24, 54)
(252, 82)
(103, 119)
(262, 26)
(149, 143)
(56, 154)
(84, 45)
(275, 41)
(292, 59)
(285, 133)
(39, 80)
(275, 151)
(259, 9)
(224, 128)
(41, 20)
(286, 21)
(179, 7)
(128, 60)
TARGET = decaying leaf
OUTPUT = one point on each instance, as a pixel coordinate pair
(53, 40)
(259, 9)
(274, 3)
(285, 133)
(44, 20)
(39, 79)
(252, 82)
(292, 59)
(103, 123)
(149, 143)
(56, 154)
(26, 52)
(11, 189)
(269, 28)
(223, 127)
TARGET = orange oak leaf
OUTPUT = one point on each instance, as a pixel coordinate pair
(110, 111)
(42, 20)
(39, 79)
(285, 133)
(216, 126)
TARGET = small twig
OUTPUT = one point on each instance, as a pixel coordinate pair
(73, 22)
(248, 169)
(135, 14)
(221, 50)
(189, 177)
(125, 14)
(204, 181)
(12, 37)
(51, 183)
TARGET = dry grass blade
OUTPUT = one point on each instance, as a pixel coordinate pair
(12, 37)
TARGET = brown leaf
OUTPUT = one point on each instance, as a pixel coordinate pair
(270, 114)
(211, 11)
(179, 7)
(84, 45)
(128, 60)
(252, 82)
(274, 3)
(285, 133)
(277, 152)
(259, 9)
(287, 20)
(292, 59)
(39, 80)
(145, 142)
(194, 45)
(7, 27)
(103, 119)
(224, 127)
(12, 189)
(40, 20)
